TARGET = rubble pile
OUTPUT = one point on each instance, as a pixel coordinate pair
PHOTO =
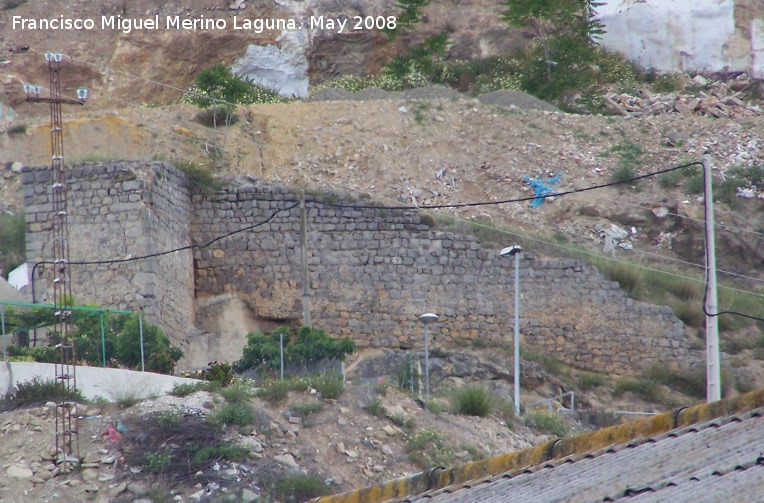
(700, 96)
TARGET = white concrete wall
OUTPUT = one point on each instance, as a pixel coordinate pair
(110, 384)
(679, 35)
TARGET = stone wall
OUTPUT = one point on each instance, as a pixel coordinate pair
(372, 271)
(118, 212)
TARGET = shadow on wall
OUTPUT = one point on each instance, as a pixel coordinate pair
(113, 385)
(224, 321)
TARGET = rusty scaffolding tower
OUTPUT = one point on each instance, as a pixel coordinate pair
(67, 433)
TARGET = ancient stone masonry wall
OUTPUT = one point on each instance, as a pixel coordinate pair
(118, 211)
(372, 271)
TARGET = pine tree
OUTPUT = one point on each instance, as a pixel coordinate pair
(566, 30)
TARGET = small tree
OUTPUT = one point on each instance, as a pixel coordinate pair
(159, 355)
(566, 30)
(219, 88)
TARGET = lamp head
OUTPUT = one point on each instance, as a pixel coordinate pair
(428, 318)
(511, 251)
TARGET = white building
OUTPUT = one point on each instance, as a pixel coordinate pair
(687, 35)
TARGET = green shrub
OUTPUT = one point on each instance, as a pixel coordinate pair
(218, 85)
(743, 386)
(690, 382)
(546, 422)
(311, 345)
(237, 414)
(185, 389)
(473, 400)
(239, 392)
(225, 451)
(12, 241)
(667, 83)
(329, 384)
(198, 179)
(374, 407)
(297, 487)
(695, 184)
(402, 420)
(156, 462)
(306, 409)
(38, 391)
(221, 373)
(127, 348)
(275, 391)
(670, 180)
(435, 406)
(427, 449)
(647, 389)
(623, 173)
(17, 129)
(168, 419)
(382, 387)
(588, 381)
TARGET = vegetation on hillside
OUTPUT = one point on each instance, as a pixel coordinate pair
(305, 347)
(12, 241)
(121, 340)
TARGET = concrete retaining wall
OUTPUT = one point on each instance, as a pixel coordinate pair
(110, 384)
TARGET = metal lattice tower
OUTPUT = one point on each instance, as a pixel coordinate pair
(67, 433)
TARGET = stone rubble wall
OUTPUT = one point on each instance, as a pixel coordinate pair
(372, 271)
(118, 211)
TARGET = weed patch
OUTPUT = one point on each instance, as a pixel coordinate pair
(306, 409)
(185, 389)
(330, 384)
(473, 400)
(648, 390)
(546, 422)
(36, 392)
(427, 449)
(374, 407)
(238, 414)
(198, 179)
(588, 381)
(297, 487)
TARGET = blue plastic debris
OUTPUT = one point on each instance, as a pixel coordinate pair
(543, 189)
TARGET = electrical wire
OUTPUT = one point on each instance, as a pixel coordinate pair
(573, 251)
(167, 252)
(723, 227)
(504, 201)
(708, 271)
(401, 208)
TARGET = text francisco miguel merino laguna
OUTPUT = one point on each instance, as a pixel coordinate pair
(126, 25)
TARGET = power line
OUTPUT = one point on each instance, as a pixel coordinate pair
(504, 201)
(400, 208)
(687, 217)
(605, 257)
(167, 252)
(705, 293)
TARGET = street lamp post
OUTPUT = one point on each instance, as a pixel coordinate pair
(426, 319)
(515, 251)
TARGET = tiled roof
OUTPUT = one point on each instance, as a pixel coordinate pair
(699, 463)
(689, 454)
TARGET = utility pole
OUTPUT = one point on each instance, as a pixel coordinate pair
(67, 434)
(713, 372)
